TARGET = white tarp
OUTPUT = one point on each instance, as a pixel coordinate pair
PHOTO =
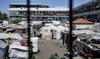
(16, 53)
(22, 22)
(53, 27)
(84, 26)
(35, 23)
(18, 45)
(96, 27)
(67, 25)
(84, 31)
(59, 30)
(56, 22)
(10, 35)
(5, 22)
(66, 28)
(91, 46)
(95, 36)
(47, 25)
(46, 33)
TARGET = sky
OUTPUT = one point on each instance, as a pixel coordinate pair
(4, 4)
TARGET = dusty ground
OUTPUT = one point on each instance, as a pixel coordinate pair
(49, 47)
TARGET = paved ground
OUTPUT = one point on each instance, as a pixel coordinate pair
(49, 47)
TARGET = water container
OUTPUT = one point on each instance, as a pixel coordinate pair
(35, 44)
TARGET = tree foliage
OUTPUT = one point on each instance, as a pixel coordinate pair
(3, 15)
(0, 15)
(16, 21)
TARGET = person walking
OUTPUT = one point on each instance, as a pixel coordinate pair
(62, 35)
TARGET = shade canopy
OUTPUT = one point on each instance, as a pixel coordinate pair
(82, 21)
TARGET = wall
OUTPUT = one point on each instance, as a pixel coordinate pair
(83, 26)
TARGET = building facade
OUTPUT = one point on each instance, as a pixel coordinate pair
(89, 11)
(38, 12)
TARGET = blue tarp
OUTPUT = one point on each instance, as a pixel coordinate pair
(2, 45)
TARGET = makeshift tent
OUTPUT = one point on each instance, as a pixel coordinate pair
(54, 34)
(66, 28)
(46, 33)
(49, 31)
(56, 22)
(96, 27)
(53, 27)
(17, 45)
(53, 31)
(17, 50)
(59, 30)
(18, 53)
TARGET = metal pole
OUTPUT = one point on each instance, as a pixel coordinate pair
(28, 20)
(71, 18)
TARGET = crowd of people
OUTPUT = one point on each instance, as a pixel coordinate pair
(92, 7)
(93, 17)
(41, 16)
(48, 18)
(43, 13)
(50, 13)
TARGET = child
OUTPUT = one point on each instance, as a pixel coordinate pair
(61, 42)
(75, 51)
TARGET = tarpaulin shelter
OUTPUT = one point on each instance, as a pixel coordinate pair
(10, 35)
(16, 49)
(46, 33)
(96, 27)
(59, 30)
